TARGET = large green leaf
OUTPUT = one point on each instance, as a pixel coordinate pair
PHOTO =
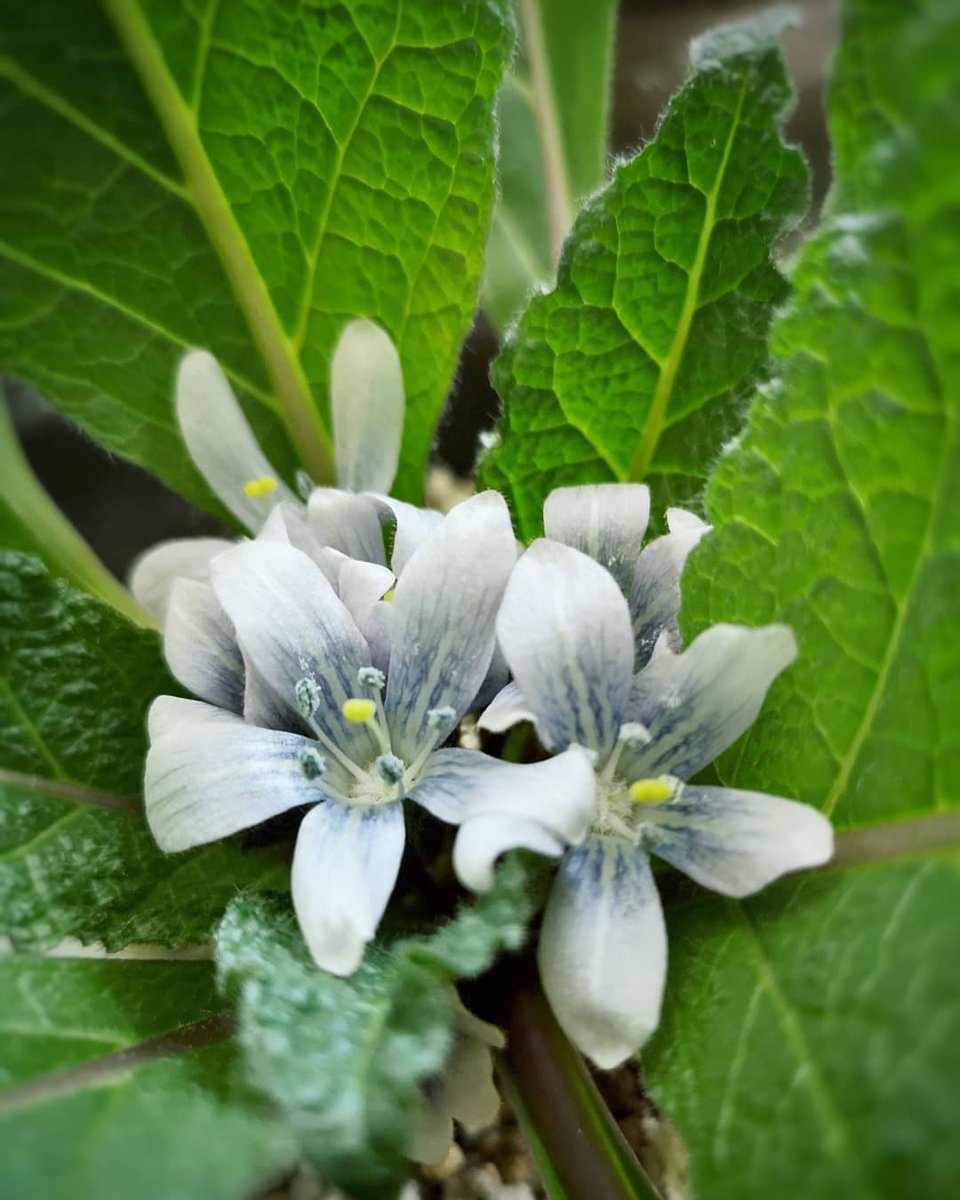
(244, 178)
(117, 1080)
(343, 1059)
(810, 1040)
(554, 118)
(76, 856)
(637, 364)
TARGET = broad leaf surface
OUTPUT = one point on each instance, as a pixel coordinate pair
(343, 1058)
(810, 1038)
(637, 364)
(117, 1080)
(76, 856)
(244, 178)
(554, 118)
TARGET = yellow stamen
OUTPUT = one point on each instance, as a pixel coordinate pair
(257, 488)
(358, 711)
(388, 596)
(650, 791)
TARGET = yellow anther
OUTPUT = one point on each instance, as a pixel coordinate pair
(388, 596)
(650, 791)
(358, 711)
(256, 488)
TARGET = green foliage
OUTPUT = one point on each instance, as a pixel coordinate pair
(116, 1081)
(343, 1059)
(244, 178)
(76, 856)
(637, 364)
(822, 1013)
(554, 116)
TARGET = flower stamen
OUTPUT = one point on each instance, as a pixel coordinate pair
(257, 489)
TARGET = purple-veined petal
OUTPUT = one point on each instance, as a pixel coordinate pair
(442, 620)
(737, 842)
(697, 703)
(201, 647)
(156, 570)
(210, 774)
(603, 950)
(344, 869)
(655, 588)
(221, 441)
(606, 521)
(366, 403)
(565, 631)
(291, 625)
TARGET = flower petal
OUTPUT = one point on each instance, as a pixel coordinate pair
(290, 625)
(603, 950)
(201, 647)
(156, 570)
(564, 629)
(221, 442)
(737, 842)
(655, 588)
(344, 869)
(348, 523)
(697, 703)
(442, 620)
(506, 709)
(413, 526)
(210, 774)
(606, 521)
(366, 401)
(481, 840)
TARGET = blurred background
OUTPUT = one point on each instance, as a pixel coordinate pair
(121, 509)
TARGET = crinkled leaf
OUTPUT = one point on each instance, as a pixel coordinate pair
(342, 1058)
(637, 364)
(821, 1017)
(117, 1080)
(554, 118)
(76, 856)
(243, 178)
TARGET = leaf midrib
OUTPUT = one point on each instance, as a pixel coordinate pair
(177, 120)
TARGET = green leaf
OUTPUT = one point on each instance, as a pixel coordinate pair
(343, 1059)
(810, 1040)
(76, 856)
(117, 1080)
(554, 119)
(637, 364)
(242, 178)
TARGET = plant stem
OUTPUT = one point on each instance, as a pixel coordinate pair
(578, 1147)
(50, 533)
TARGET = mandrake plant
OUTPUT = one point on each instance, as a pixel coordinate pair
(335, 835)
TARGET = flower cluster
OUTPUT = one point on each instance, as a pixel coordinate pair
(331, 680)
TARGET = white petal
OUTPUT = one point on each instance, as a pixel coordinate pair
(565, 631)
(344, 869)
(697, 703)
(288, 524)
(290, 625)
(156, 570)
(495, 680)
(607, 521)
(442, 624)
(603, 950)
(737, 842)
(481, 840)
(221, 442)
(360, 584)
(413, 526)
(201, 647)
(506, 709)
(655, 588)
(366, 401)
(210, 774)
(348, 523)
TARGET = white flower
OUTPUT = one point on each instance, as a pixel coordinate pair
(570, 638)
(464, 1091)
(367, 406)
(315, 729)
